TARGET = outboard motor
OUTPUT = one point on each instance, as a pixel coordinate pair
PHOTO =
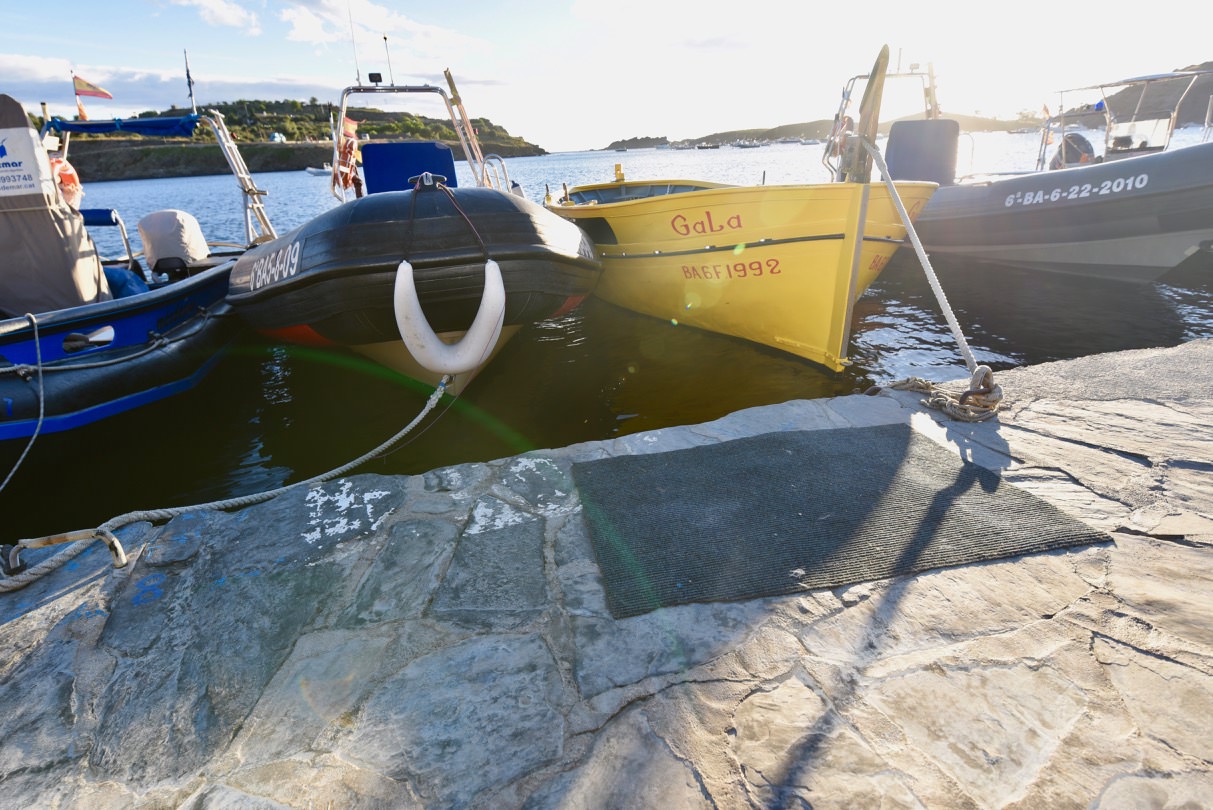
(172, 241)
(1074, 150)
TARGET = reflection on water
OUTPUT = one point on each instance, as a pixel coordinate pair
(270, 414)
(1014, 317)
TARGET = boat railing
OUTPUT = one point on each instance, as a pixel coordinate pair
(1053, 131)
(459, 119)
(844, 125)
(496, 174)
(108, 217)
(256, 221)
(261, 230)
(467, 136)
(1138, 115)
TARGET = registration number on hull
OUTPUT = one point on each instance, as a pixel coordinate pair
(725, 270)
(1078, 191)
(275, 266)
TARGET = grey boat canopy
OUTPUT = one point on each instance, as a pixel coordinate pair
(1151, 77)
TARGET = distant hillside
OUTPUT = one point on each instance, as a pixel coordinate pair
(304, 126)
(256, 121)
(1192, 111)
(146, 158)
(809, 130)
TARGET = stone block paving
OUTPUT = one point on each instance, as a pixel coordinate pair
(442, 640)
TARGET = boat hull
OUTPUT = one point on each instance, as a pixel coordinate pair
(1132, 219)
(780, 266)
(331, 281)
(163, 342)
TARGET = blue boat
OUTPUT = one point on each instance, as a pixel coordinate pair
(84, 338)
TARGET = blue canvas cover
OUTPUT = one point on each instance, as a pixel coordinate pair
(182, 127)
(388, 166)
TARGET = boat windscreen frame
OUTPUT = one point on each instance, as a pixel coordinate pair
(831, 157)
(1116, 128)
(257, 225)
(487, 171)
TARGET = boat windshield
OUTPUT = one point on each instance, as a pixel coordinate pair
(1137, 136)
(1142, 112)
(1139, 114)
(487, 170)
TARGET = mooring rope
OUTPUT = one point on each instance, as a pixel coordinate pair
(41, 403)
(983, 398)
(105, 532)
(978, 403)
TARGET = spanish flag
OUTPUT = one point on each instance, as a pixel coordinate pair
(84, 88)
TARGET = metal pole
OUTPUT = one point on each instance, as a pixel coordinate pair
(354, 45)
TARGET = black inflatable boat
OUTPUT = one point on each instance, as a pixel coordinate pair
(415, 272)
(336, 279)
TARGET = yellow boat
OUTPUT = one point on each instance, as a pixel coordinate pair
(777, 265)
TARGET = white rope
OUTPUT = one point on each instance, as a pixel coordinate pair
(41, 404)
(984, 397)
(22, 579)
(970, 362)
(977, 404)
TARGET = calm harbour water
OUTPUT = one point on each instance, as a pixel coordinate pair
(270, 415)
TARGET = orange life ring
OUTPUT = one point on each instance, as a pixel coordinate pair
(68, 181)
(345, 169)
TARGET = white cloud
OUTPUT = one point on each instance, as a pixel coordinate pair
(308, 26)
(224, 13)
(20, 67)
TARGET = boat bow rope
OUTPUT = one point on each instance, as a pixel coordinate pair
(41, 388)
(983, 397)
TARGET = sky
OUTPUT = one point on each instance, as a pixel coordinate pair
(578, 74)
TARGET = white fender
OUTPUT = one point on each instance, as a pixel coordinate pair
(425, 346)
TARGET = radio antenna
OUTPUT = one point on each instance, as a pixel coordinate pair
(390, 75)
(354, 45)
